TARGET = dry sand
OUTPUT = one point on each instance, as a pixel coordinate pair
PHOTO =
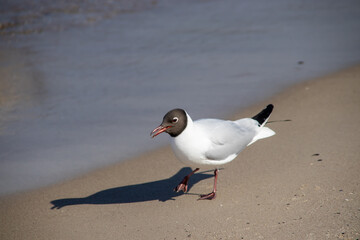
(303, 183)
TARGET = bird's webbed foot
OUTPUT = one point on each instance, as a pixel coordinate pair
(209, 196)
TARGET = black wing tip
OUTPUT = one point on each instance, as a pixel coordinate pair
(262, 116)
(270, 107)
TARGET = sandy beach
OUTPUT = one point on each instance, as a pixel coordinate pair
(303, 183)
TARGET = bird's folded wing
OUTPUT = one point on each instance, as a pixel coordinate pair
(229, 138)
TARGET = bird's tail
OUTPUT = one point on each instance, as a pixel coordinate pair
(262, 117)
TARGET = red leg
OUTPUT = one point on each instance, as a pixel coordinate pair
(211, 195)
(183, 185)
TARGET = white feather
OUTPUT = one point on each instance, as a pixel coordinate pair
(215, 141)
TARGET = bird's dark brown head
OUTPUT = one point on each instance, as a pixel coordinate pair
(174, 123)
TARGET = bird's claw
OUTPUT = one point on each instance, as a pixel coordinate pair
(183, 185)
(209, 196)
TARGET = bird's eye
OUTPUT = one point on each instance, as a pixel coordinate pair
(175, 119)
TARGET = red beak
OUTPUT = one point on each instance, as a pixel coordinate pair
(158, 130)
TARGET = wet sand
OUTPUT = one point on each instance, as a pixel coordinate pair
(303, 183)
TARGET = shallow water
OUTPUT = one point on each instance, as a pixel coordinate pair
(77, 94)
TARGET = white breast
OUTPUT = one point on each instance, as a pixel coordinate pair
(190, 146)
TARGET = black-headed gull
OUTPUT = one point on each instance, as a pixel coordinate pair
(211, 142)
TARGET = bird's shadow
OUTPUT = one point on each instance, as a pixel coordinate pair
(161, 190)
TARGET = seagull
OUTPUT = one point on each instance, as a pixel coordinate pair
(211, 142)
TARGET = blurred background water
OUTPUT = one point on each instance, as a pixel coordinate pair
(83, 82)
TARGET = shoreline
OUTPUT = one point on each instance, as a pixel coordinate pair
(301, 183)
(69, 109)
(240, 113)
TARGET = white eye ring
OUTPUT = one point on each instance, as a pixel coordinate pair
(175, 120)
